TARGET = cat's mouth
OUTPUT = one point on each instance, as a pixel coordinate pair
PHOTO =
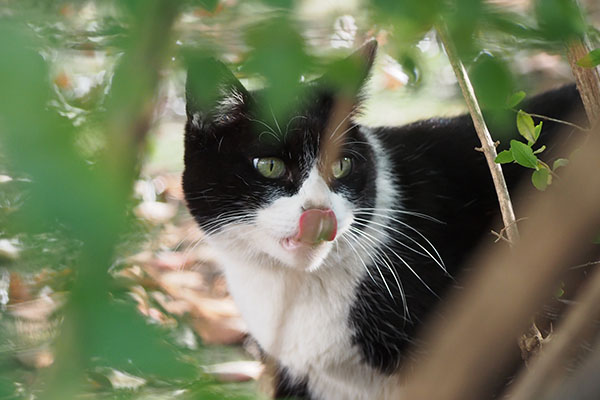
(293, 244)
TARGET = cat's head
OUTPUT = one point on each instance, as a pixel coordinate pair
(279, 190)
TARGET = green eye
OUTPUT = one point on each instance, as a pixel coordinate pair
(341, 167)
(270, 167)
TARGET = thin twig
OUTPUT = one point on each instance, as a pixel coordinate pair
(501, 235)
(487, 143)
(559, 121)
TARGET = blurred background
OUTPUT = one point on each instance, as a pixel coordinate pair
(106, 287)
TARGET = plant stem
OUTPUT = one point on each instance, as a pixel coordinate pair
(487, 143)
(558, 121)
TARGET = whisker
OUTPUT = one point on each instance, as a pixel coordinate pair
(276, 123)
(407, 212)
(439, 261)
(366, 236)
(359, 258)
(389, 267)
(263, 124)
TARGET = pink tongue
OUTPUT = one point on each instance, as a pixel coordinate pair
(316, 226)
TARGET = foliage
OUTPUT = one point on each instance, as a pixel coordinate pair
(74, 159)
(591, 60)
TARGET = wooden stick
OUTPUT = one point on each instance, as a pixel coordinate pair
(487, 143)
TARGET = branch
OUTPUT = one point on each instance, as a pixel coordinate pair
(547, 369)
(587, 79)
(487, 144)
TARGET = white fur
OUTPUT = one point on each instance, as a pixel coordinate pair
(297, 305)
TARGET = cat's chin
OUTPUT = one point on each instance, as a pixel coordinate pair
(303, 256)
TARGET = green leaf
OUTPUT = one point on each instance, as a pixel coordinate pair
(515, 99)
(541, 178)
(523, 154)
(526, 126)
(538, 130)
(590, 60)
(597, 240)
(561, 162)
(504, 157)
(492, 80)
(541, 149)
(559, 20)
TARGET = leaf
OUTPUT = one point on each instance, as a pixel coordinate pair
(538, 130)
(541, 149)
(526, 126)
(515, 99)
(540, 178)
(597, 240)
(492, 80)
(504, 157)
(561, 162)
(523, 154)
(590, 60)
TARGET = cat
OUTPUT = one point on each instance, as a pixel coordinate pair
(335, 263)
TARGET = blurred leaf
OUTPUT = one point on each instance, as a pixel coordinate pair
(278, 54)
(411, 66)
(591, 60)
(561, 162)
(515, 99)
(411, 19)
(119, 336)
(526, 126)
(492, 81)
(523, 154)
(280, 4)
(559, 20)
(347, 76)
(597, 240)
(504, 157)
(209, 5)
(463, 21)
(541, 178)
(205, 76)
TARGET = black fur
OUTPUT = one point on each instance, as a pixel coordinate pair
(441, 175)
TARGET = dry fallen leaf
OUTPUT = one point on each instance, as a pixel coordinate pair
(155, 212)
(35, 358)
(235, 371)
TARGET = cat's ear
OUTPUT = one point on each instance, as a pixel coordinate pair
(348, 76)
(213, 94)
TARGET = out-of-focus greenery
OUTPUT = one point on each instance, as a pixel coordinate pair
(74, 160)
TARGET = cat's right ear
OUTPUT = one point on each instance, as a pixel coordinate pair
(213, 94)
(349, 75)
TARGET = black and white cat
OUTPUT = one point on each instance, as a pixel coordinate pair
(334, 264)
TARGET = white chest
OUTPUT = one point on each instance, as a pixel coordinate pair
(301, 319)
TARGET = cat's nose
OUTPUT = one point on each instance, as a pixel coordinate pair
(316, 225)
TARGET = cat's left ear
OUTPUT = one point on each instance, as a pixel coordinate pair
(348, 76)
(213, 94)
